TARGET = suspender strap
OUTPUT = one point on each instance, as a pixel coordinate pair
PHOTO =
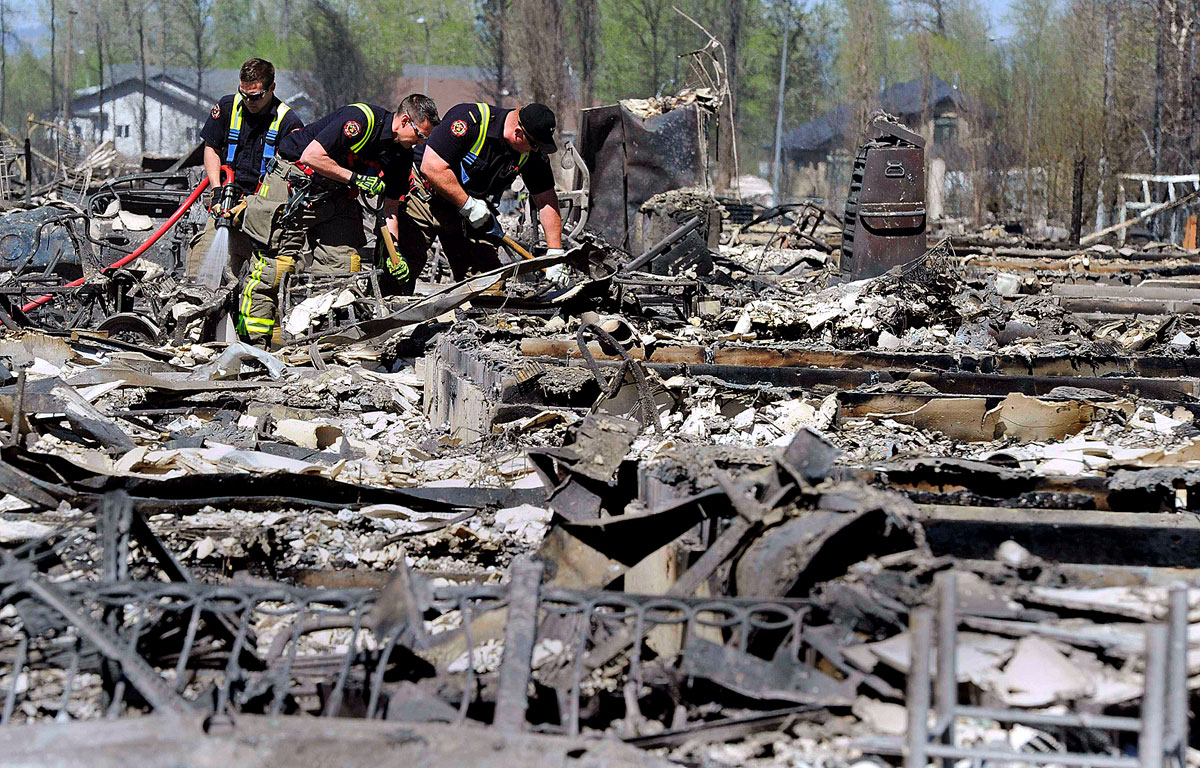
(235, 129)
(370, 114)
(273, 136)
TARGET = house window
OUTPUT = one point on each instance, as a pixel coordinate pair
(945, 130)
(122, 131)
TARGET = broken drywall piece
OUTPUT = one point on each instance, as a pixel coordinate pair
(1018, 416)
(881, 716)
(1039, 675)
(308, 434)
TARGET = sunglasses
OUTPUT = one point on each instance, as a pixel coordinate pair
(253, 96)
(421, 136)
(533, 145)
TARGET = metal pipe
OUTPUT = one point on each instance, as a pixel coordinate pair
(28, 172)
(1150, 742)
(917, 750)
(946, 691)
(520, 634)
(1177, 674)
(1013, 757)
(18, 407)
(1069, 720)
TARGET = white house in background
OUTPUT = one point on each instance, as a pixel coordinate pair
(175, 109)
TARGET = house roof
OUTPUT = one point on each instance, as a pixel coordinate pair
(177, 86)
(901, 99)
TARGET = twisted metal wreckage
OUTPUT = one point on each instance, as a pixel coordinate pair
(715, 503)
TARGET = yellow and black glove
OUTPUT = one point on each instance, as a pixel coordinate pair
(396, 266)
(372, 185)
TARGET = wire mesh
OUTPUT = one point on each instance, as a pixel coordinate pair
(283, 650)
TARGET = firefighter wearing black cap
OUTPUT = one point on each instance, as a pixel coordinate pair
(242, 131)
(469, 160)
(355, 150)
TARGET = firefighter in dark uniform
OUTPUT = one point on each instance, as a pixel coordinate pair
(242, 131)
(355, 150)
(469, 160)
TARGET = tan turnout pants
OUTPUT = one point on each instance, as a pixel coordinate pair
(325, 238)
(425, 216)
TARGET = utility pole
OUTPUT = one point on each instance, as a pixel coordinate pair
(3, 55)
(100, 96)
(426, 24)
(787, 18)
(68, 91)
(53, 60)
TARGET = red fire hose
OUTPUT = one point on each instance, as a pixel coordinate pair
(138, 252)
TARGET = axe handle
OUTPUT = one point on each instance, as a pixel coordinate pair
(516, 248)
(389, 243)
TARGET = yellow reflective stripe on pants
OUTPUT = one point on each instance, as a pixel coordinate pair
(255, 278)
(258, 323)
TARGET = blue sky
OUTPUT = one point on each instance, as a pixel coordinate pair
(997, 9)
(27, 22)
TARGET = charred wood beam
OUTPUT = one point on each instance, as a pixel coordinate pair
(30, 489)
(1149, 366)
(1068, 536)
(1061, 254)
(959, 383)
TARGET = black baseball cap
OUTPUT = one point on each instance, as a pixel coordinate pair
(538, 122)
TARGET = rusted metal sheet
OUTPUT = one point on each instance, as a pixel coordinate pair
(633, 158)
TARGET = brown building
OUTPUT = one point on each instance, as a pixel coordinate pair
(450, 85)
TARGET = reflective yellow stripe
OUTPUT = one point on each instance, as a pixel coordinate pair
(485, 116)
(251, 284)
(257, 324)
(235, 120)
(370, 113)
(521, 160)
(283, 110)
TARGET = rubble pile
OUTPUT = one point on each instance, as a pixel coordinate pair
(723, 516)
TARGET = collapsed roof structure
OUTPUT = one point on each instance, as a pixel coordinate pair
(717, 502)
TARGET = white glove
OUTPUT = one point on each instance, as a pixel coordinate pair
(557, 274)
(476, 212)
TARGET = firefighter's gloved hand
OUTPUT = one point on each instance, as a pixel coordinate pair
(218, 210)
(477, 214)
(372, 185)
(397, 267)
(557, 274)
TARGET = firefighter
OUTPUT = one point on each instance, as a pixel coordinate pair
(469, 160)
(310, 197)
(242, 131)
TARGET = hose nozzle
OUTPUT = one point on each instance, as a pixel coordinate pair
(226, 199)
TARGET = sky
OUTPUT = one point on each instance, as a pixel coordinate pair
(29, 27)
(997, 9)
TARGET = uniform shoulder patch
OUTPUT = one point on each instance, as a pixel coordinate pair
(351, 128)
(216, 111)
(459, 128)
